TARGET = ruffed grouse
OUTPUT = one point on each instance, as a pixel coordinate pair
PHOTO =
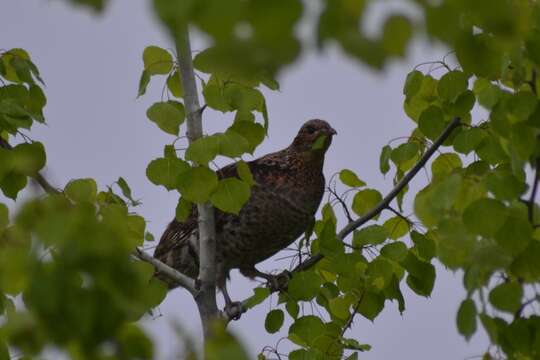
(289, 188)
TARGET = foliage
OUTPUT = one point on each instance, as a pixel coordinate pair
(477, 214)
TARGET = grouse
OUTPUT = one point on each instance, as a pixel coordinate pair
(288, 190)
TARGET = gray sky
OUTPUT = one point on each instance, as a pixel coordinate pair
(97, 128)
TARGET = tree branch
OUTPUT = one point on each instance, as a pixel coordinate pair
(206, 298)
(183, 280)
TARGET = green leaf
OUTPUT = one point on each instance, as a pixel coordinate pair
(479, 54)
(370, 235)
(365, 200)
(28, 159)
(384, 160)
(168, 116)
(244, 173)
(143, 83)
(306, 329)
(404, 152)
(183, 210)
(468, 140)
(126, 190)
(4, 219)
(232, 144)
(506, 296)
(371, 305)
(396, 251)
(260, 294)
(243, 98)
(397, 31)
(485, 216)
(451, 85)
(198, 183)
(421, 277)
(349, 178)
(169, 152)
(339, 307)
(524, 140)
(274, 321)
(12, 184)
(355, 345)
(515, 234)
(214, 95)
(397, 227)
(203, 150)
(424, 245)
(292, 308)
(487, 93)
(174, 84)
(319, 143)
(413, 83)
(444, 164)
(431, 122)
(82, 190)
(137, 226)
(466, 318)
(526, 266)
(252, 132)
(230, 195)
(166, 171)
(304, 285)
(157, 60)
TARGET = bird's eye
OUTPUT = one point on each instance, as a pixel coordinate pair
(311, 129)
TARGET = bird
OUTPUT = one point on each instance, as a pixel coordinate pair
(289, 186)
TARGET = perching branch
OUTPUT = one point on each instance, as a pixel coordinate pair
(206, 298)
(384, 204)
(183, 280)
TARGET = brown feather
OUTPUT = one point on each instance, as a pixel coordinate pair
(289, 188)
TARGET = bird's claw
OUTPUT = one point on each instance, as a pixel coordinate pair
(279, 282)
(234, 310)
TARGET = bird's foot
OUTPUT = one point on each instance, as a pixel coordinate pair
(279, 282)
(234, 310)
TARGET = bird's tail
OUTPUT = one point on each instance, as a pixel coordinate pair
(176, 250)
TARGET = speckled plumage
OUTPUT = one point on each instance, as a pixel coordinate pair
(289, 189)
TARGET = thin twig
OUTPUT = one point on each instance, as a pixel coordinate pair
(351, 318)
(343, 205)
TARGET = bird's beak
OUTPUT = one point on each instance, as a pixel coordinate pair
(332, 131)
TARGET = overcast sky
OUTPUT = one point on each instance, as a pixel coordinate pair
(97, 128)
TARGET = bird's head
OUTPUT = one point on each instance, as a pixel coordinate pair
(315, 136)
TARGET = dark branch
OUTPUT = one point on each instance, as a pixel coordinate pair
(351, 318)
(343, 205)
